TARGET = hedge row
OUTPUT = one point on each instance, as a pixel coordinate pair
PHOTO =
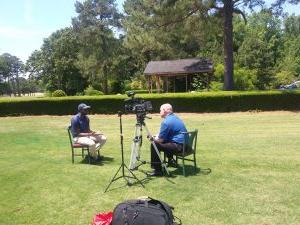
(182, 102)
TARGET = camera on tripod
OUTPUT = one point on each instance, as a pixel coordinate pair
(137, 105)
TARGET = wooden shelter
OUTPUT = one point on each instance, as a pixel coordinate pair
(169, 74)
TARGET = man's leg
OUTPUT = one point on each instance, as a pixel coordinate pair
(90, 143)
(99, 138)
(169, 148)
(155, 161)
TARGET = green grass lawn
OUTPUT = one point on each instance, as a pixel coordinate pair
(254, 160)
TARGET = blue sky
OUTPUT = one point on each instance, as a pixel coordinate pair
(25, 23)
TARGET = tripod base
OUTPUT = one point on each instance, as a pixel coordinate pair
(126, 177)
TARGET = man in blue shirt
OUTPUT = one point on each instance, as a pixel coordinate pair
(82, 134)
(170, 139)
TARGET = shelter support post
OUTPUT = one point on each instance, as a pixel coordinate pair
(158, 84)
(186, 83)
(167, 84)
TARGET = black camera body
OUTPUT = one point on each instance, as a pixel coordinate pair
(137, 105)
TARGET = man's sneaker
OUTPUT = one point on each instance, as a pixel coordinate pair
(97, 159)
(155, 173)
(172, 163)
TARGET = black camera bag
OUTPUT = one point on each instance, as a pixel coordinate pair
(143, 212)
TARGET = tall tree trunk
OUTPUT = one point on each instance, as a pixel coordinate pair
(105, 81)
(9, 91)
(105, 84)
(228, 45)
(18, 84)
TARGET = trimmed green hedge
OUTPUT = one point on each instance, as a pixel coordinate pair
(182, 102)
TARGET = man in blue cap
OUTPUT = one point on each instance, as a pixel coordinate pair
(80, 128)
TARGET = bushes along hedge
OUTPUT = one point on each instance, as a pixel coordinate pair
(59, 93)
(182, 102)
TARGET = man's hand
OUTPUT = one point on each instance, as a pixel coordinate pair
(159, 140)
(85, 134)
(151, 138)
(97, 133)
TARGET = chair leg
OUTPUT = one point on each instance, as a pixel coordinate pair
(195, 164)
(89, 156)
(82, 152)
(183, 166)
(72, 155)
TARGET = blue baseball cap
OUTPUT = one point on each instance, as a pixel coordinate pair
(82, 106)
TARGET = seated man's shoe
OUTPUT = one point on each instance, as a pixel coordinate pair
(155, 173)
(98, 159)
(88, 158)
(94, 159)
(172, 163)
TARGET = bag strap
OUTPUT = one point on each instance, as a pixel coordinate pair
(179, 221)
(165, 207)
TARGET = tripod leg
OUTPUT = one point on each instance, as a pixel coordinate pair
(158, 154)
(156, 150)
(113, 179)
(135, 148)
(123, 166)
(134, 177)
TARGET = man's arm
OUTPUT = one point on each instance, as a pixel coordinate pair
(85, 134)
(159, 140)
(163, 133)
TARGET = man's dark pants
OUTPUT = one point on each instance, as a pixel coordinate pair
(169, 148)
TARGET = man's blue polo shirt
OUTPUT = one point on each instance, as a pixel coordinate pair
(81, 122)
(171, 128)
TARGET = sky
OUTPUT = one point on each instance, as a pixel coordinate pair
(25, 23)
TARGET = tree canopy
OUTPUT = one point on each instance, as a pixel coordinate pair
(108, 51)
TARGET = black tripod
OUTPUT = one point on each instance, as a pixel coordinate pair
(123, 166)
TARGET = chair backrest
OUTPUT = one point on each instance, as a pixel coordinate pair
(70, 135)
(191, 145)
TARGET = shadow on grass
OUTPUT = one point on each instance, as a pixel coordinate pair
(126, 185)
(128, 179)
(190, 171)
(165, 176)
(103, 160)
(134, 182)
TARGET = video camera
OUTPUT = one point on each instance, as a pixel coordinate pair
(137, 105)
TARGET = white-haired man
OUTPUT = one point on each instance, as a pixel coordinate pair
(170, 139)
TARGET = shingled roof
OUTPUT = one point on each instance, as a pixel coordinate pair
(180, 66)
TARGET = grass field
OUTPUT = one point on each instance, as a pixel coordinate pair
(254, 160)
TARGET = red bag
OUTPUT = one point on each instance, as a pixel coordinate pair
(102, 219)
